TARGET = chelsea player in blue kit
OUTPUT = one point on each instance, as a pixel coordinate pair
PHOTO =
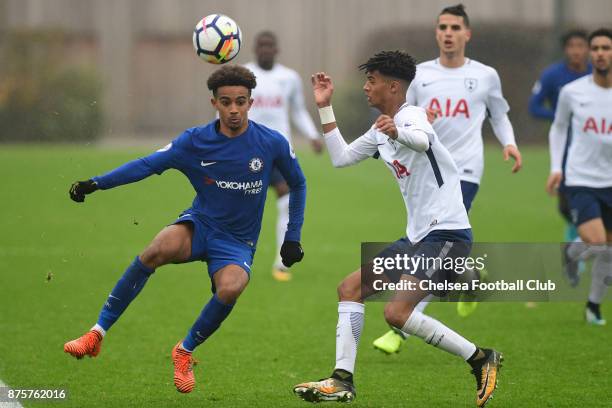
(229, 163)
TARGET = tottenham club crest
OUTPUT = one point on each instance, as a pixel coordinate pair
(256, 164)
(471, 84)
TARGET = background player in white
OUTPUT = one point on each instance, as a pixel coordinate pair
(586, 105)
(277, 96)
(462, 92)
(429, 183)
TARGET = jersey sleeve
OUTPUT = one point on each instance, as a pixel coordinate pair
(299, 115)
(540, 96)
(288, 165)
(413, 128)
(557, 136)
(496, 103)
(343, 154)
(165, 158)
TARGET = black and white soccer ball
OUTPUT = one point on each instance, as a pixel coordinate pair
(217, 39)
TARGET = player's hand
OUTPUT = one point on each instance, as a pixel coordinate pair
(317, 146)
(432, 115)
(386, 125)
(323, 89)
(553, 182)
(291, 252)
(513, 151)
(80, 189)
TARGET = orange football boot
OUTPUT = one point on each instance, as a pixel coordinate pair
(183, 369)
(88, 344)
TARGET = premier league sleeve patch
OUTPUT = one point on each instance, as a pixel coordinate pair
(255, 165)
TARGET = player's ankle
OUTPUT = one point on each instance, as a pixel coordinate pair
(477, 357)
(342, 375)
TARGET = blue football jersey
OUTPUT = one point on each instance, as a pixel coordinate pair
(547, 88)
(230, 176)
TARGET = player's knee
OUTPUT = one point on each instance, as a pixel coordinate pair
(397, 313)
(348, 291)
(595, 239)
(229, 293)
(158, 253)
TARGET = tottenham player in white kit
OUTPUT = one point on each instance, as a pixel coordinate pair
(277, 96)
(586, 105)
(429, 183)
(462, 92)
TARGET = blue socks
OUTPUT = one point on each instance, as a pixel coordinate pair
(571, 233)
(213, 314)
(128, 287)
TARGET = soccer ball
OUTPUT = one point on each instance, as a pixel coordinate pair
(217, 39)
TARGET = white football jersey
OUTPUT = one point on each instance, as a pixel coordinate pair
(429, 180)
(277, 95)
(463, 96)
(589, 157)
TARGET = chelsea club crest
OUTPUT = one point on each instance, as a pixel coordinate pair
(255, 164)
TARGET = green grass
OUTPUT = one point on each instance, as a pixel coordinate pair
(279, 334)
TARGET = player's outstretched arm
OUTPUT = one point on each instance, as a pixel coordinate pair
(341, 153)
(130, 172)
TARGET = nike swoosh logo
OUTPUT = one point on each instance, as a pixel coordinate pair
(114, 297)
(247, 265)
(207, 164)
(424, 84)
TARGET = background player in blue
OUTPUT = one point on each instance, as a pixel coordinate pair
(543, 100)
(228, 162)
(545, 93)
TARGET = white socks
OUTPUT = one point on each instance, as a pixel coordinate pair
(601, 274)
(348, 332)
(438, 335)
(99, 329)
(282, 205)
(420, 308)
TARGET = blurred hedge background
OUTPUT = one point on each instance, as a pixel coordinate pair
(83, 70)
(41, 97)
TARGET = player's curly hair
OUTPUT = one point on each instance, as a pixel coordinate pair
(457, 10)
(396, 64)
(231, 75)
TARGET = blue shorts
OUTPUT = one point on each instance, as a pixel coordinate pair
(588, 203)
(216, 248)
(468, 190)
(442, 244)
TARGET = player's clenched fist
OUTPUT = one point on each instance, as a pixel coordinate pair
(323, 89)
(291, 252)
(386, 125)
(80, 189)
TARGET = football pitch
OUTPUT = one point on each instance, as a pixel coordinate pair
(59, 260)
